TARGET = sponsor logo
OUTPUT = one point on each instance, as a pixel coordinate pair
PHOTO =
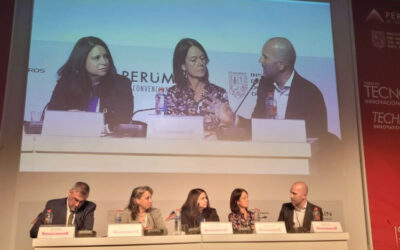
(390, 17)
(238, 84)
(374, 16)
(378, 39)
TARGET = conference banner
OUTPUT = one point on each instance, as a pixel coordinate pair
(377, 40)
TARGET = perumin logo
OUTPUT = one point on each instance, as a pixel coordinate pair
(374, 16)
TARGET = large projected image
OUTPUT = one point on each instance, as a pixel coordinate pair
(146, 78)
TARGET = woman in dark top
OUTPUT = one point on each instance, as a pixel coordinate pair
(196, 209)
(241, 217)
(193, 94)
(88, 81)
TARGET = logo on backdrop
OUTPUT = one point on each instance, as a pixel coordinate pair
(396, 230)
(328, 215)
(237, 84)
(384, 34)
(391, 17)
(379, 94)
(374, 16)
(143, 81)
(378, 39)
(36, 70)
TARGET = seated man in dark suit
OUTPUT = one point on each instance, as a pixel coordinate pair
(296, 97)
(299, 213)
(72, 210)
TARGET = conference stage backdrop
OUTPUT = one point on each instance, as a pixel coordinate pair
(377, 35)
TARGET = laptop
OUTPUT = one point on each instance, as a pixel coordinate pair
(73, 123)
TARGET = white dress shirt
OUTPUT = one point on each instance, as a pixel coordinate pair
(298, 216)
(281, 95)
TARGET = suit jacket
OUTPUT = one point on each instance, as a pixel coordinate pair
(155, 219)
(84, 217)
(209, 214)
(116, 99)
(286, 215)
(305, 102)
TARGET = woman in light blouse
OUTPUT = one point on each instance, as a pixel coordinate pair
(140, 210)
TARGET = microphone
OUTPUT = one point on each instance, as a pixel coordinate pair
(135, 128)
(44, 111)
(245, 96)
(236, 133)
(142, 110)
(171, 216)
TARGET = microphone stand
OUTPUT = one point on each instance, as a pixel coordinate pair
(245, 96)
(236, 133)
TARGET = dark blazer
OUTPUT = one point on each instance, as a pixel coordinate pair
(305, 102)
(116, 99)
(286, 215)
(209, 214)
(84, 217)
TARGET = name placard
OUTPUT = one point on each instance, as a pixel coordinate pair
(270, 227)
(216, 228)
(326, 227)
(175, 127)
(56, 231)
(124, 230)
(270, 130)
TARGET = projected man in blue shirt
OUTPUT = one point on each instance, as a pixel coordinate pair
(296, 98)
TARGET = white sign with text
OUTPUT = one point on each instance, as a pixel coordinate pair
(124, 230)
(216, 228)
(54, 232)
(175, 127)
(273, 130)
(326, 227)
(270, 227)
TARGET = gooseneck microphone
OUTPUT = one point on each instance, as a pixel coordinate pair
(142, 110)
(244, 98)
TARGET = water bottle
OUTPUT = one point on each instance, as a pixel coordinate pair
(270, 106)
(118, 216)
(316, 214)
(160, 102)
(178, 226)
(48, 217)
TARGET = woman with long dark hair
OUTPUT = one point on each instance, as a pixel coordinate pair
(196, 209)
(240, 216)
(88, 81)
(140, 210)
(193, 94)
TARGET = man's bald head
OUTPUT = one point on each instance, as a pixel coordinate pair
(298, 194)
(283, 50)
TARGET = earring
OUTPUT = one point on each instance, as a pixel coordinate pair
(185, 74)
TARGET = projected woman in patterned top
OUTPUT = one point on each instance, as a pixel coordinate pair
(193, 94)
